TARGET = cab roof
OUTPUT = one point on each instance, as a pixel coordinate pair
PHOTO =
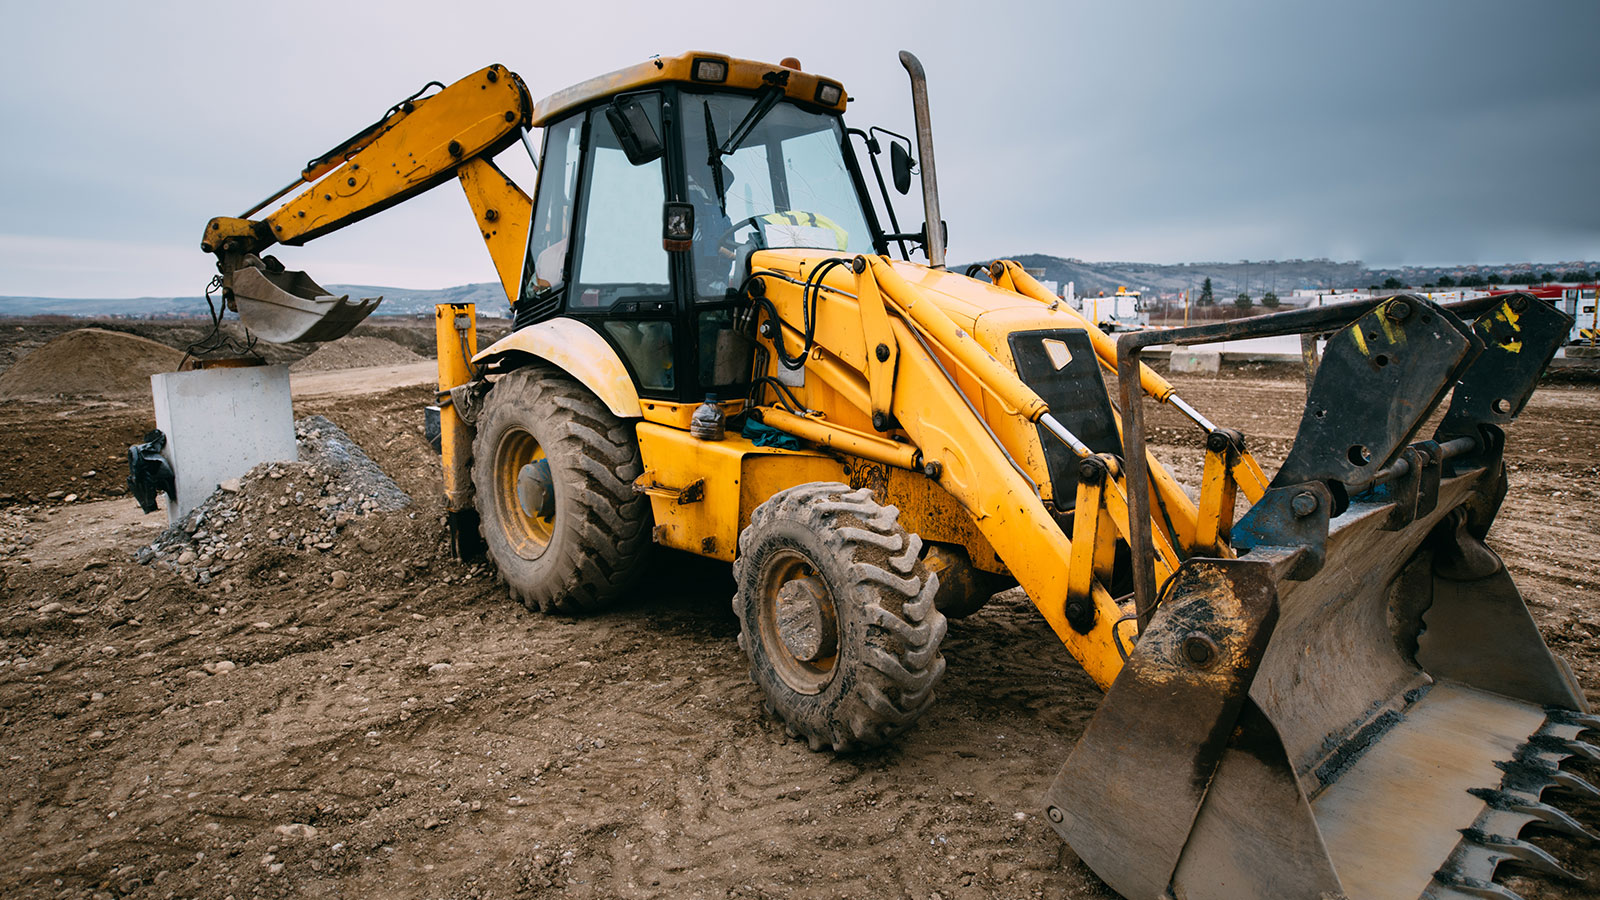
(743, 74)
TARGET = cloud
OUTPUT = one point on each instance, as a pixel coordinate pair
(1429, 131)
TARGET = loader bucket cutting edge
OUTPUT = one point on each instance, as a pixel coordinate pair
(287, 307)
(1379, 725)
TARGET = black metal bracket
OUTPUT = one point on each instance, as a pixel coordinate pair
(1520, 335)
(1290, 516)
(1379, 379)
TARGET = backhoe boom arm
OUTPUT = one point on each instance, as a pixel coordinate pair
(420, 143)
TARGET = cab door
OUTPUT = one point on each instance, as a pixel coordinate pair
(620, 274)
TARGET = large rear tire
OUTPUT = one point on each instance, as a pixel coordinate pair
(836, 614)
(553, 471)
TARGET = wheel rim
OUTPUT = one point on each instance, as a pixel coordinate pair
(798, 622)
(528, 535)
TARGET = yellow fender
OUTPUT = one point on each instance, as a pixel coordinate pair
(581, 353)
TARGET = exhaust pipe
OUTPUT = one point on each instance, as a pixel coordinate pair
(933, 225)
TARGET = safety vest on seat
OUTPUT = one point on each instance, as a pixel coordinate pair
(802, 229)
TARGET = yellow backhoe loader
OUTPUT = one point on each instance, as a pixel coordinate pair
(1337, 693)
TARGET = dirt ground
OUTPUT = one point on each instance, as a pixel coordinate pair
(374, 718)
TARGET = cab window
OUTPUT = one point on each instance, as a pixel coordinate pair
(552, 214)
(620, 257)
(622, 270)
(785, 185)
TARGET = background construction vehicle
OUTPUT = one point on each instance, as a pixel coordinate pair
(1338, 693)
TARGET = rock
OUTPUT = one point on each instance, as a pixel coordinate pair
(69, 498)
(220, 667)
(55, 495)
(430, 823)
(340, 580)
(439, 668)
(49, 608)
(297, 829)
(89, 474)
(187, 557)
(232, 486)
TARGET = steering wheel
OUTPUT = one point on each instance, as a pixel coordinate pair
(726, 240)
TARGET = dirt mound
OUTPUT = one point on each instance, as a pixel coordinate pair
(89, 362)
(355, 352)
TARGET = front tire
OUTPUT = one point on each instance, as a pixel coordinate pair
(553, 472)
(836, 614)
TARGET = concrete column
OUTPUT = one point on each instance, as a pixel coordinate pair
(220, 424)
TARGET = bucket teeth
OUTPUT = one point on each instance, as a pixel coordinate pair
(1463, 886)
(1570, 746)
(1570, 717)
(1534, 809)
(1531, 770)
(1510, 848)
(1575, 784)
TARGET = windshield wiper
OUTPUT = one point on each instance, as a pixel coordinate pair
(769, 98)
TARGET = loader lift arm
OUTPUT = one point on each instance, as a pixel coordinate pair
(421, 142)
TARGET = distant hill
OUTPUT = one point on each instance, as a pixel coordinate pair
(488, 295)
(1282, 276)
(1259, 276)
(1227, 280)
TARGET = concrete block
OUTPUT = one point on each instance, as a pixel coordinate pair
(1201, 362)
(220, 424)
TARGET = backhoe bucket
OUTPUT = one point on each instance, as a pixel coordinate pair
(287, 307)
(1359, 705)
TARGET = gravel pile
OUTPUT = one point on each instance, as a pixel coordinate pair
(354, 352)
(299, 506)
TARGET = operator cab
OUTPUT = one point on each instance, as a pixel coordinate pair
(625, 178)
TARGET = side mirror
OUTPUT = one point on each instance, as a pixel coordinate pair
(634, 131)
(900, 166)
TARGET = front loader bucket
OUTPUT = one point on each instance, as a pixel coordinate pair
(286, 307)
(1359, 705)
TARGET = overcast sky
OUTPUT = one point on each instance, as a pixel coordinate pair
(1393, 132)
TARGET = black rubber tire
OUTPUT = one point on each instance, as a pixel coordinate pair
(600, 532)
(887, 662)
